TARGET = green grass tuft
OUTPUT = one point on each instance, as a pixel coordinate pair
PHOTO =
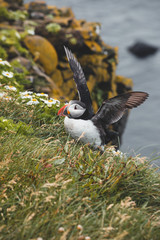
(50, 184)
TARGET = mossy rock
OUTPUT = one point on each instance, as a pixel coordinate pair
(47, 55)
(3, 53)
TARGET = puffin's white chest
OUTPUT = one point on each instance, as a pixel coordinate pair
(83, 129)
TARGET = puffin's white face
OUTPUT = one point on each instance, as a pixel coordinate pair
(75, 110)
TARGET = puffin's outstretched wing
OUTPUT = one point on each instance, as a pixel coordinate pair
(113, 109)
(80, 80)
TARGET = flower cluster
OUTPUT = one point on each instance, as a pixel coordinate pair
(30, 98)
(7, 77)
(27, 97)
(4, 63)
(115, 153)
(34, 98)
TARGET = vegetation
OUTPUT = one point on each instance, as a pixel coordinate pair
(55, 188)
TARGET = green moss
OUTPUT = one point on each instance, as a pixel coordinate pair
(8, 125)
(68, 35)
(17, 64)
(3, 53)
(12, 15)
(50, 16)
(18, 15)
(4, 14)
(21, 80)
(22, 50)
(98, 95)
(73, 41)
(11, 37)
(53, 27)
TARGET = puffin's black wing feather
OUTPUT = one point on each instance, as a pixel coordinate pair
(80, 80)
(113, 109)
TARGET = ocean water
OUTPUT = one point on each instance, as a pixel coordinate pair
(123, 23)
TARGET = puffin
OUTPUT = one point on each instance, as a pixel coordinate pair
(80, 120)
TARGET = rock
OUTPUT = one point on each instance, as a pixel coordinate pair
(24, 62)
(123, 84)
(38, 6)
(142, 50)
(14, 5)
(54, 90)
(37, 15)
(61, 12)
(5, 25)
(3, 4)
(13, 52)
(63, 21)
(41, 47)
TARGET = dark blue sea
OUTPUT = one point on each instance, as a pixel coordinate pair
(123, 23)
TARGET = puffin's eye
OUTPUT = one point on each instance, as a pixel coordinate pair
(75, 107)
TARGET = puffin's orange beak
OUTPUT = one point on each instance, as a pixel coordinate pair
(62, 111)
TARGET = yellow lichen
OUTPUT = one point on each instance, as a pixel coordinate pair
(47, 54)
(127, 82)
(91, 82)
(93, 46)
(57, 78)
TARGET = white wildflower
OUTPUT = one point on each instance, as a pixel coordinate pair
(33, 101)
(7, 74)
(10, 88)
(7, 98)
(2, 94)
(7, 63)
(61, 229)
(42, 95)
(51, 102)
(118, 153)
(18, 35)
(79, 227)
(4, 62)
(26, 93)
(87, 238)
(31, 31)
(57, 101)
(110, 149)
(3, 38)
(26, 96)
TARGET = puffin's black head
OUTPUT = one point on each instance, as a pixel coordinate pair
(75, 109)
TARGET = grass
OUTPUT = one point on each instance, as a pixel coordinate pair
(51, 184)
